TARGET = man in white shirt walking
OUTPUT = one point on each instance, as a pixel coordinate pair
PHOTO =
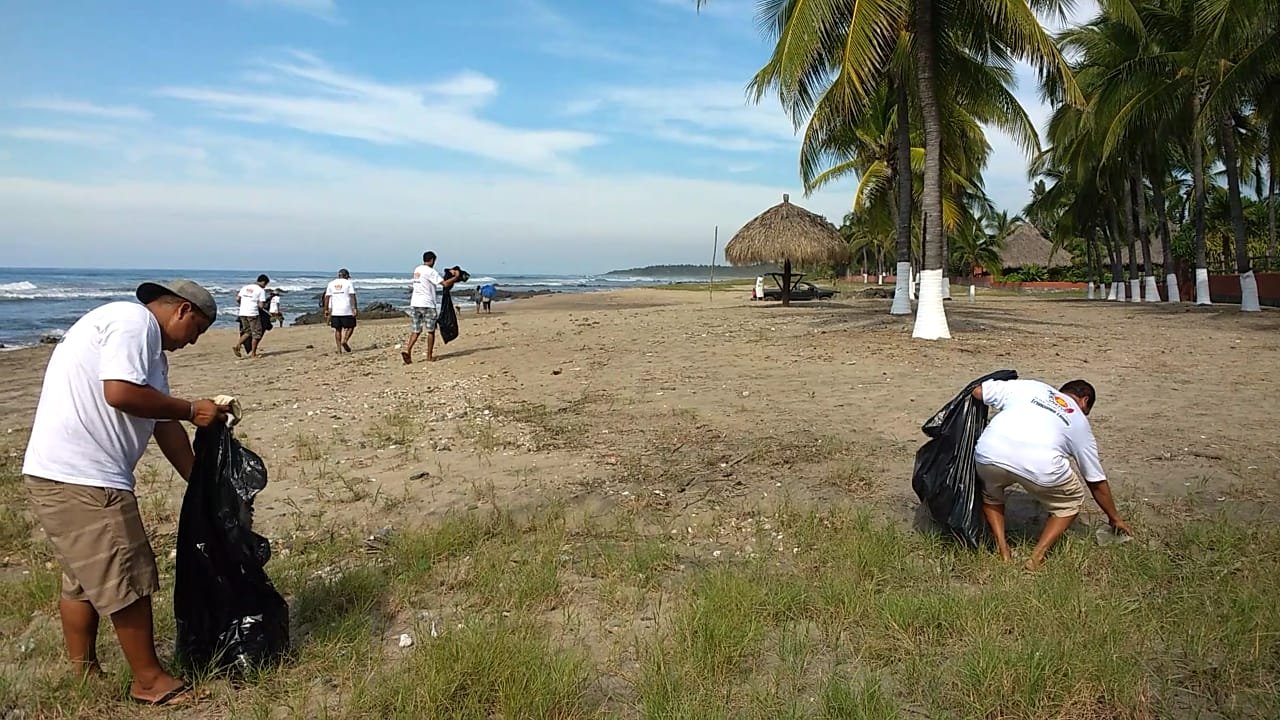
(424, 303)
(105, 394)
(253, 301)
(341, 309)
(273, 309)
(1031, 443)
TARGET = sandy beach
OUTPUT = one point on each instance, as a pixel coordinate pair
(695, 415)
(587, 397)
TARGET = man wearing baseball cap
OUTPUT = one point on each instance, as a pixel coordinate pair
(105, 394)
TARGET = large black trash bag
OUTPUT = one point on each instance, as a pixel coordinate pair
(448, 320)
(229, 615)
(945, 476)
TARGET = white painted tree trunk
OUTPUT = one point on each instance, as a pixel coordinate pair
(946, 288)
(973, 293)
(1111, 292)
(911, 285)
(902, 291)
(880, 280)
(1202, 287)
(864, 278)
(1135, 290)
(1171, 287)
(1153, 292)
(931, 316)
(1119, 291)
(1090, 295)
(1249, 293)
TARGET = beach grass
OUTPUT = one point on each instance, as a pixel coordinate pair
(840, 616)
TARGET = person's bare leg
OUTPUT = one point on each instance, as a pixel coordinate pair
(80, 632)
(136, 633)
(254, 350)
(346, 338)
(431, 347)
(1053, 529)
(407, 353)
(239, 342)
(995, 520)
(337, 340)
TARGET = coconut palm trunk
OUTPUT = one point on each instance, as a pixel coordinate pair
(1144, 238)
(1162, 220)
(1128, 226)
(1231, 161)
(1197, 180)
(1113, 248)
(1089, 260)
(1271, 214)
(931, 318)
(902, 179)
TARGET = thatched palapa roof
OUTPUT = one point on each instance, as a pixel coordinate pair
(1026, 246)
(786, 232)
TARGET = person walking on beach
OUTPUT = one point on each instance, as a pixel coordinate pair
(1030, 443)
(253, 300)
(340, 308)
(477, 298)
(105, 394)
(487, 292)
(273, 309)
(424, 302)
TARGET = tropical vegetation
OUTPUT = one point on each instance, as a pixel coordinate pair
(1160, 156)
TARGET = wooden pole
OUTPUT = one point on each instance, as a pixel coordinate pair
(715, 245)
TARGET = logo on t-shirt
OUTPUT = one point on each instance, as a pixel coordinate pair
(1057, 405)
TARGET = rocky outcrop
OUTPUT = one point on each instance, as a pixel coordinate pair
(375, 311)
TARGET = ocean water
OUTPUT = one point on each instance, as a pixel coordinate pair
(38, 301)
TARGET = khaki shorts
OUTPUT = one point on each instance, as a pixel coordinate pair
(1062, 500)
(98, 537)
(251, 326)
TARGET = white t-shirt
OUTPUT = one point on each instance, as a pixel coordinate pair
(1036, 432)
(274, 306)
(249, 296)
(426, 286)
(341, 294)
(77, 437)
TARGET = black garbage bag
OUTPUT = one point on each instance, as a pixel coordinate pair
(945, 476)
(229, 615)
(448, 320)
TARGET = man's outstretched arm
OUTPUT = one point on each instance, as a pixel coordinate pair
(1102, 495)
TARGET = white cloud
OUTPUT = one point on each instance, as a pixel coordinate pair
(708, 114)
(323, 9)
(63, 136)
(305, 209)
(81, 107)
(310, 96)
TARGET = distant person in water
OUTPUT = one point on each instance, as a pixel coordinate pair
(273, 308)
(341, 309)
(424, 305)
(252, 299)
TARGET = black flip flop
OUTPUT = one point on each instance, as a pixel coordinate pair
(168, 698)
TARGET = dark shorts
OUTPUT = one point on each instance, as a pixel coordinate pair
(342, 322)
(251, 326)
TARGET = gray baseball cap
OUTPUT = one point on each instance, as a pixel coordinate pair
(188, 290)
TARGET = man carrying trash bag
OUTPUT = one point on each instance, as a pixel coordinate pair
(961, 474)
(105, 395)
(1030, 443)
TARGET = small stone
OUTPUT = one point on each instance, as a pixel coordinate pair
(406, 640)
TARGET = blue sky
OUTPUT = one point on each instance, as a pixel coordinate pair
(510, 135)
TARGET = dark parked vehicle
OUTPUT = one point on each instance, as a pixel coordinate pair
(800, 290)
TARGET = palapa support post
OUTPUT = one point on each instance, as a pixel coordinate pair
(786, 281)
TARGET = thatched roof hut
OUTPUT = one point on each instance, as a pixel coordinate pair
(786, 233)
(1026, 246)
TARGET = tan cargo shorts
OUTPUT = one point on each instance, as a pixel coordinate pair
(98, 537)
(1062, 500)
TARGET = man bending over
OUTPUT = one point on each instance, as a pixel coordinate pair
(1031, 442)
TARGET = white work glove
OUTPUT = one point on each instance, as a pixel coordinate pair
(234, 412)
